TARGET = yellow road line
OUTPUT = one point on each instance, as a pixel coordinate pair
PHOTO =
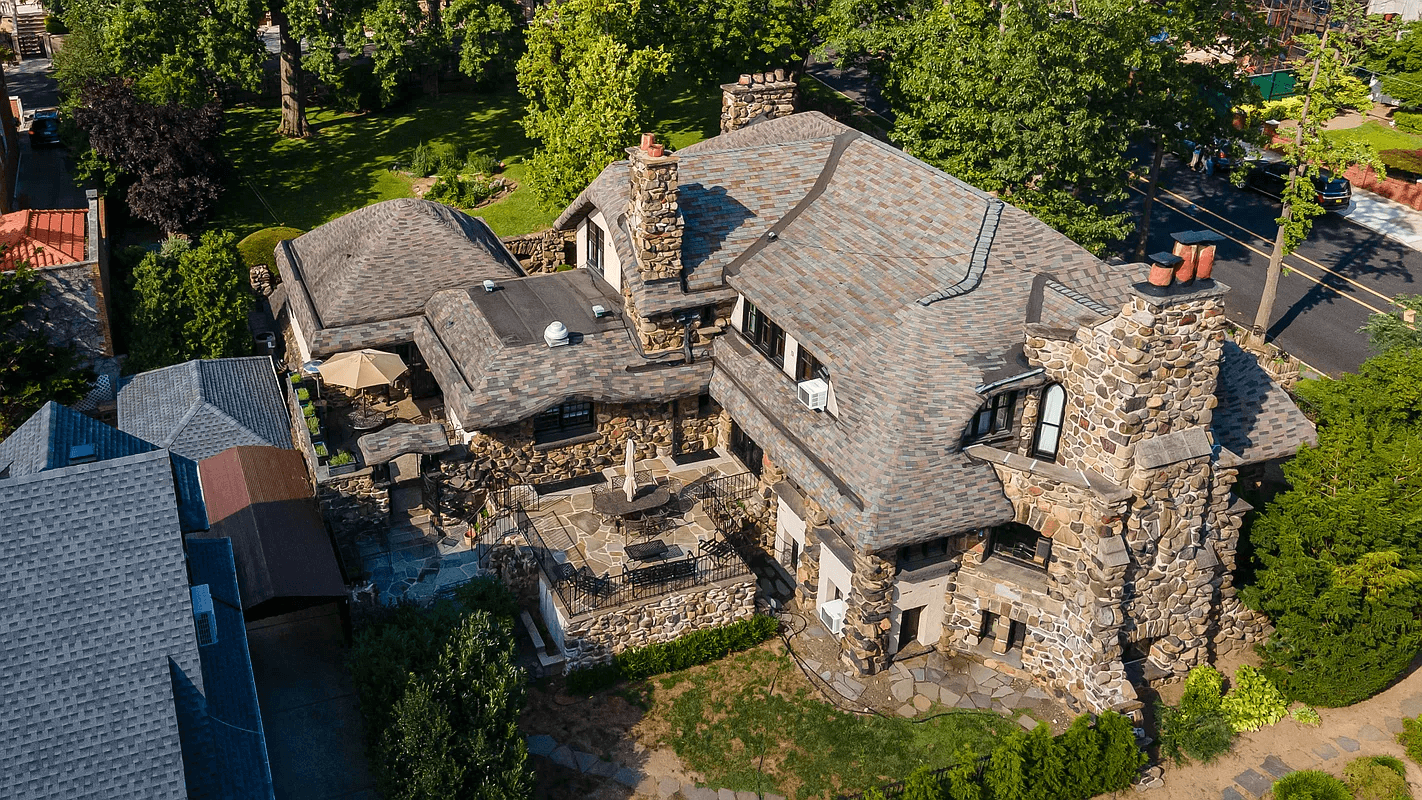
(1270, 241)
(1292, 268)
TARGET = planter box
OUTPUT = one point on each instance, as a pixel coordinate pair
(343, 469)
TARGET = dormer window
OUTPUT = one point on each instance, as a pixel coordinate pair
(807, 366)
(594, 254)
(996, 416)
(1049, 423)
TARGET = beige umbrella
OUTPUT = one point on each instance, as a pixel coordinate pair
(361, 369)
(629, 484)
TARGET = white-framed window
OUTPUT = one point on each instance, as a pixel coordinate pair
(1049, 422)
(593, 257)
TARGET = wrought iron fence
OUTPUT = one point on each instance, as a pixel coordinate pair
(724, 500)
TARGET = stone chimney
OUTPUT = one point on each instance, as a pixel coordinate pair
(767, 94)
(653, 213)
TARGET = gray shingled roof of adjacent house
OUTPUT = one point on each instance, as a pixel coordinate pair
(1256, 419)
(199, 408)
(487, 352)
(44, 441)
(360, 279)
(96, 608)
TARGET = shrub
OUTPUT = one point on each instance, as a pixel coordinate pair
(1253, 702)
(694, 648)
(1377, 778)
(922, 785)
(54, 24)
(341, 458)
(1310, 785)
(457, 190)
(1198, 728)
(1305, 715)
(1409, 161)
(1411, 739)
(313, 425)
(259, 249)
(1408, 121)
(477, 163)
(431, 159)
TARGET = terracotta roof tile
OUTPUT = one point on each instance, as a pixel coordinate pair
(43, 237)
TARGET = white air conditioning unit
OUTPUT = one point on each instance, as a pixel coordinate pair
(204, 616)
(814, 393)
(832, 615)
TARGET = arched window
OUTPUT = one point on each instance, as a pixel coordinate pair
(1049, 422)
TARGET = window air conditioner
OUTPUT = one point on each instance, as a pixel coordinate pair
(832, 615)
(814, 393)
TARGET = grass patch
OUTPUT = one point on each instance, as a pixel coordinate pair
(720, 717)
(260, 247)
(1379, 136)
(349, 163)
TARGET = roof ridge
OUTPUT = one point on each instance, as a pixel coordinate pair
(992, 214)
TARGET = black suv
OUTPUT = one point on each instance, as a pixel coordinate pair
(44, 130)
(1271, 177)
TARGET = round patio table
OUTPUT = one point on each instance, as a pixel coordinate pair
(615, 503)
(366, 420)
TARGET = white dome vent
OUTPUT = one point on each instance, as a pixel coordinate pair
(556, 334)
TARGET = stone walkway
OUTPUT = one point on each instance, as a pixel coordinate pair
(651, 786)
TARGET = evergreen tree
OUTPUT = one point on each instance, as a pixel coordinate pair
(922, 785)
(1006, 776)
(1121, 758)
(156, 320)
(1044, 765)
(1081, 745)
(217, 296)
(419, 748)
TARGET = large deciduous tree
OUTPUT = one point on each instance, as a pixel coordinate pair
(586, 81)
(1331, 87)
(33, 371)
(169, 149)
(720, 36)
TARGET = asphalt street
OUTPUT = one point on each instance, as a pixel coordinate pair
(1331, 285)
(46, 178)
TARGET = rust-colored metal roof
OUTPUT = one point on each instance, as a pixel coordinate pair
(259, 497)
(43, 237)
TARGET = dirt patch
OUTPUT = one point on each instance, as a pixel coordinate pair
(418, 186)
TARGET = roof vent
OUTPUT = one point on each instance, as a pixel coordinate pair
(82, 454)
(556, 334)
(204, 617)
(599, 311)
(490, 286)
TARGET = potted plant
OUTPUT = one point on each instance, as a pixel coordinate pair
(342, 462)
(308, 410)
(304, 395)
(313, 425)
(321, 453)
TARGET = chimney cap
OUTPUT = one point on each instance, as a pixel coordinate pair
(1165, 259)
(1196, 237)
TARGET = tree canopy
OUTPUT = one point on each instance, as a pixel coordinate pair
(1339, 554)
(189, 302)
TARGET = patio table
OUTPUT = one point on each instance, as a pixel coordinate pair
(646, 551)
(615, 504)
(366, 420)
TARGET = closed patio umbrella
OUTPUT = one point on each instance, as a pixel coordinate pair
(361, 369)
(629, 484)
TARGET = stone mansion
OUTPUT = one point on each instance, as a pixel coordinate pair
(968, 432)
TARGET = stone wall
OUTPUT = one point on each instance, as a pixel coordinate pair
(663, 332)
(771, 94)
(653, 214)
(865, 644)
(596, 637)
(541, 251)
(73, 310)
(353, 503)
(510, 450)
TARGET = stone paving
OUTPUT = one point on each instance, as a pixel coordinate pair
(1258, 780)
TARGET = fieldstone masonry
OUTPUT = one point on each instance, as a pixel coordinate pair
(542, 251)
(653, 214)
(596, 637)
(767, 94)
(865, 646)
(662, 332)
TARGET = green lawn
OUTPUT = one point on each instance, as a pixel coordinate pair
(1379, 136)
(348, 163)
(724, 723)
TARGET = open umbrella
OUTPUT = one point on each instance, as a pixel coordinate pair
(629, 484)
(361, 369)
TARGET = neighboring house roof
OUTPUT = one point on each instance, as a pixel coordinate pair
(239, 767)
(379, 265)
(261, 499)
(47, 440)
(1256, 419)
(98, 629)
(486, 350)
(199, 408)
(43, 237)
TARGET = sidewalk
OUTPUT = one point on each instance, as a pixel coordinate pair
(1392, 219)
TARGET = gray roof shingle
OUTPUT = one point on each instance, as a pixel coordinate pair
(96, 605)
(200, 408)
(44, 440)
(372, 270)
(1256, 419)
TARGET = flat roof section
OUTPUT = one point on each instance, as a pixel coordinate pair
(520, 310)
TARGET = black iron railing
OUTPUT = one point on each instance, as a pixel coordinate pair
(725, 501)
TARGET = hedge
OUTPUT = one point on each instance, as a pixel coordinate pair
(259, 249)
(1310, 784)
(697, 647)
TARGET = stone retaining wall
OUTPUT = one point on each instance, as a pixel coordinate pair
(596, 637)
(510, 450)
(354, 503)
(541, 251)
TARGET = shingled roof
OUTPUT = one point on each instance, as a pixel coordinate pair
(1256, 419)
(487, 352)
(98, 628)
(199, 408)
(362, 278)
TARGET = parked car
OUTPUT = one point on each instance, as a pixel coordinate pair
(1270, 177)
(44, 130)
